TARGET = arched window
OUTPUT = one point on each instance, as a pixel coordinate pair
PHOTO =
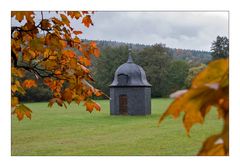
(122, 79)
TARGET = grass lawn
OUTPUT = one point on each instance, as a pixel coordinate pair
(57, 131)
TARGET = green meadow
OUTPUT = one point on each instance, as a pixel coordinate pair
(74, 131)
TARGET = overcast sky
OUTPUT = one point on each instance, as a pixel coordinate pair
(189, 30)
(186, 30)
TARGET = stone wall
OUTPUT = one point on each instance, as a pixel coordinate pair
(139, 100)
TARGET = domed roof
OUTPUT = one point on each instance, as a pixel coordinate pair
(130, 74)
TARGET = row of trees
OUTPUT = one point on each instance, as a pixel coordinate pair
(165, 71)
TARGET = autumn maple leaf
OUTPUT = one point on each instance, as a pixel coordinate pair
(29, 83)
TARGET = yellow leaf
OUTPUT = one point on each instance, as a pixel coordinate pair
(32, 53)
(22, 110)
(37, 44)
(50, 64)
(14, 101)
(17, 72)
(57, 21)
(76, 40)
(77, 15)
(65, 19)
(213, 73)
(16, 34)
(14, 88)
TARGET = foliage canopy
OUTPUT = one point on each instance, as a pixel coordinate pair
(220, 48)
(52, 51)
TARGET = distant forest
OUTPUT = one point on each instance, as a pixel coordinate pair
(167, 69)
(180, 54)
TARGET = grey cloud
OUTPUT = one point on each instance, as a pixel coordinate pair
(193, 30)
(190, 30)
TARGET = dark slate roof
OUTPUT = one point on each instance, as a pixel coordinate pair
(135, 75)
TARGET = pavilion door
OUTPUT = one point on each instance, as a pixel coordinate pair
(123, 105)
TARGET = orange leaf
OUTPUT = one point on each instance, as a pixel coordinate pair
(29, 83)
(97, 106)
(69, 13)
(45, 24)
(69, 53)
(68, 95)
(97, 92)
(57, 21)
(57, 100)
(87, 21)
(19, 114)
(58, 72)
(20, 15)
(84, 68)
(89, 105)
(76, 14)
(84, 61)
(79, 98)
(63, 43)
(213, 146)
(77, 32)
(93, 44)
(96, 52)
(28, 114)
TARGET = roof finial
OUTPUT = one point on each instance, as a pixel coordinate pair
(130, 60)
